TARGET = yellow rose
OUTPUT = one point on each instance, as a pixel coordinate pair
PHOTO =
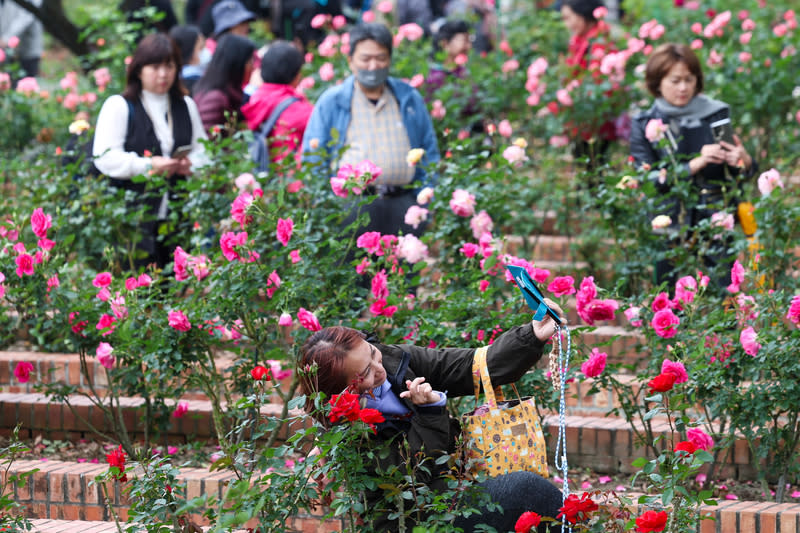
(414, 155)
(78, 127)
(522, 143)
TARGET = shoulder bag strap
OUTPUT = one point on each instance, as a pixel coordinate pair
(265, 130)
(480, 374)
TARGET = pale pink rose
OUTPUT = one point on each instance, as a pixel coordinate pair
(181, 260)
(284, 230)
(368, 16)
(28, 86)
(537, 68)
(714, 58)
(411, 31)
(481, 223)
(635, 45)
(656, 32)
(103, 279)
(768, 180)
(744, 57)
(425, 196)
(483, 285)
(13, 42)
(748, 339)
(338, 22)
(199, 265)
(745, 37)
(510, 66)
(438, 110)
(515, 155)
(793, 315)
(559, 141)
(180, 409)
(595, 365)
(102, 77)
(461, 59)
(5, 81)
(385, 6)
(89, 98)
(415, 216)
(632, 314)
(563, 96)
(665, 323)
(294, 256)
(179, 321)
(245, 181)
(722, 220)
(645, 28)
(469, 249)
(748, 25)
(69, 81)
(278, 372)
(655, 130)
(40, 223)
(416, 80)
(737, 277)
(319, 20)
(239, 209)
(462, 203)
(326, 72)
(504, 128)
(410, 248)
(696, 44)
(675, 368)
(104, 356)
(285, 320)
(600, 12)
(379, 285)
(779, 30)
(685, 289)
(118, 306)
(745, 308)
(699, 438)
(308, 320)
(338, 187)
(562, 286)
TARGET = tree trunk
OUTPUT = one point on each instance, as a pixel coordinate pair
(55, 22)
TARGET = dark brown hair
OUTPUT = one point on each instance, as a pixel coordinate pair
(154, 49)
(664, 58)
(326, 350)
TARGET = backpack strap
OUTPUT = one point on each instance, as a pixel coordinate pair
(266, 128)
(130, 117)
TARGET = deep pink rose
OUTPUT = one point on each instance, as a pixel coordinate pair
(23, 371)
(131, 284)
(685, 289)
(380, 288)
(484, 284)
(462, 203)
(699, 438)
(749, 343)
(46, 244)
(586, 292)
(104, 356)
(103, 279)
(362, 266)
(793, 314)
(40, 223)
(273, 283)
(294, 256)
(308, 320)
(661, 302)
(469, 249)
(601, 310)
(24, 265)
(239, 209)
(369, 241)
(284, 230)
(285, 320)
(665, 322)
(379, 308)
(595, 365)
(562, 286)
(106, 322)
(180, 410)
(677, 368)
(179, 321)
(737, 277)
(181, 261)
(338, 187)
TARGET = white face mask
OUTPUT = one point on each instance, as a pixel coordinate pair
(205, 57)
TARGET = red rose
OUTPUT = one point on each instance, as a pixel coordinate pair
(526, 521)
(662, 382)
(117, 459)
(686, 446)
(371, 417)
(344, 405)
(651, 521)
(577, 509)
(260, 373)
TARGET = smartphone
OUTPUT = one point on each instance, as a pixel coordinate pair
(182, 151)
(723, 131)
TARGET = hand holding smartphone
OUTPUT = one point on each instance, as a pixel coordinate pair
(182, 151)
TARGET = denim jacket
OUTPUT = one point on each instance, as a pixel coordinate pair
(332, 111)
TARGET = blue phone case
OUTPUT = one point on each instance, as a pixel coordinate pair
(531, 293)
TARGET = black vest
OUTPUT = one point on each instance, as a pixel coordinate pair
(141, 136)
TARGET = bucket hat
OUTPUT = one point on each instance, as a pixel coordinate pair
(229, 13)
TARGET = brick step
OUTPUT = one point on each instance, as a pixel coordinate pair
(56, 421)
(84, 526)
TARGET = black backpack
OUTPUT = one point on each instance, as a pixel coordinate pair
(259, 147)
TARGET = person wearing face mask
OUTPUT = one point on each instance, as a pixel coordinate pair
(378, 118)
(194, 54)
(691, 153)
(410, 386)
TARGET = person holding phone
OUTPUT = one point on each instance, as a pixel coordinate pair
(674, 76)
(152, 128)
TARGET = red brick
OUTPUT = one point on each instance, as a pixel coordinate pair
(94, 512)
(748, 518)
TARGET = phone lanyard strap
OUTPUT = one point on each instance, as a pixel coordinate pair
(560, 459)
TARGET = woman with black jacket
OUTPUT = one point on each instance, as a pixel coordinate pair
(409, 385)
(712, 167)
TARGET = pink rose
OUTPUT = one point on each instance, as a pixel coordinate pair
(595, 365)
(338, 22)
(326, 71)
(285, 320)
(481, 223)
(28, 86)
(362, 266)
(793, 315)
(655, 130)
(380, 287)
(745, 57)
(319, 20)
(737, 277)
(685, 289)
(284, 230)
(601, 310)
(178, 320)
(632, 314)
(665, 323)
(308, 320)
(369, 241)
(410, 248)
(676, 368)
(562, 286)
(696, 44)
(510, 66)
(199, 266)
(45, 244)
(438, 110)
(103, 279)
(106, 324)
(462, 203)
(102, 77)
(662, 301)
(586, 292)
(504, 128)
(559, 141)
(180, 410)
(748, 340)
(239, 209)
(379, 308)
(338, 187)
(722, 220)
(181, 260)
(104, 356)
(699, 438)
(469, 249)
(131, 284)
(415, 216)
(745, 37)
(245, 181)
(24, 265)
(768, 180)
(273, 283)
(368, 16)
(385, 6)
(410, 31)
(515, 155)
(483, 285)
(23, 371)
(294, 256)
(40, 223)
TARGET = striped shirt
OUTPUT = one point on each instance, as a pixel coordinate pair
(376, 132)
